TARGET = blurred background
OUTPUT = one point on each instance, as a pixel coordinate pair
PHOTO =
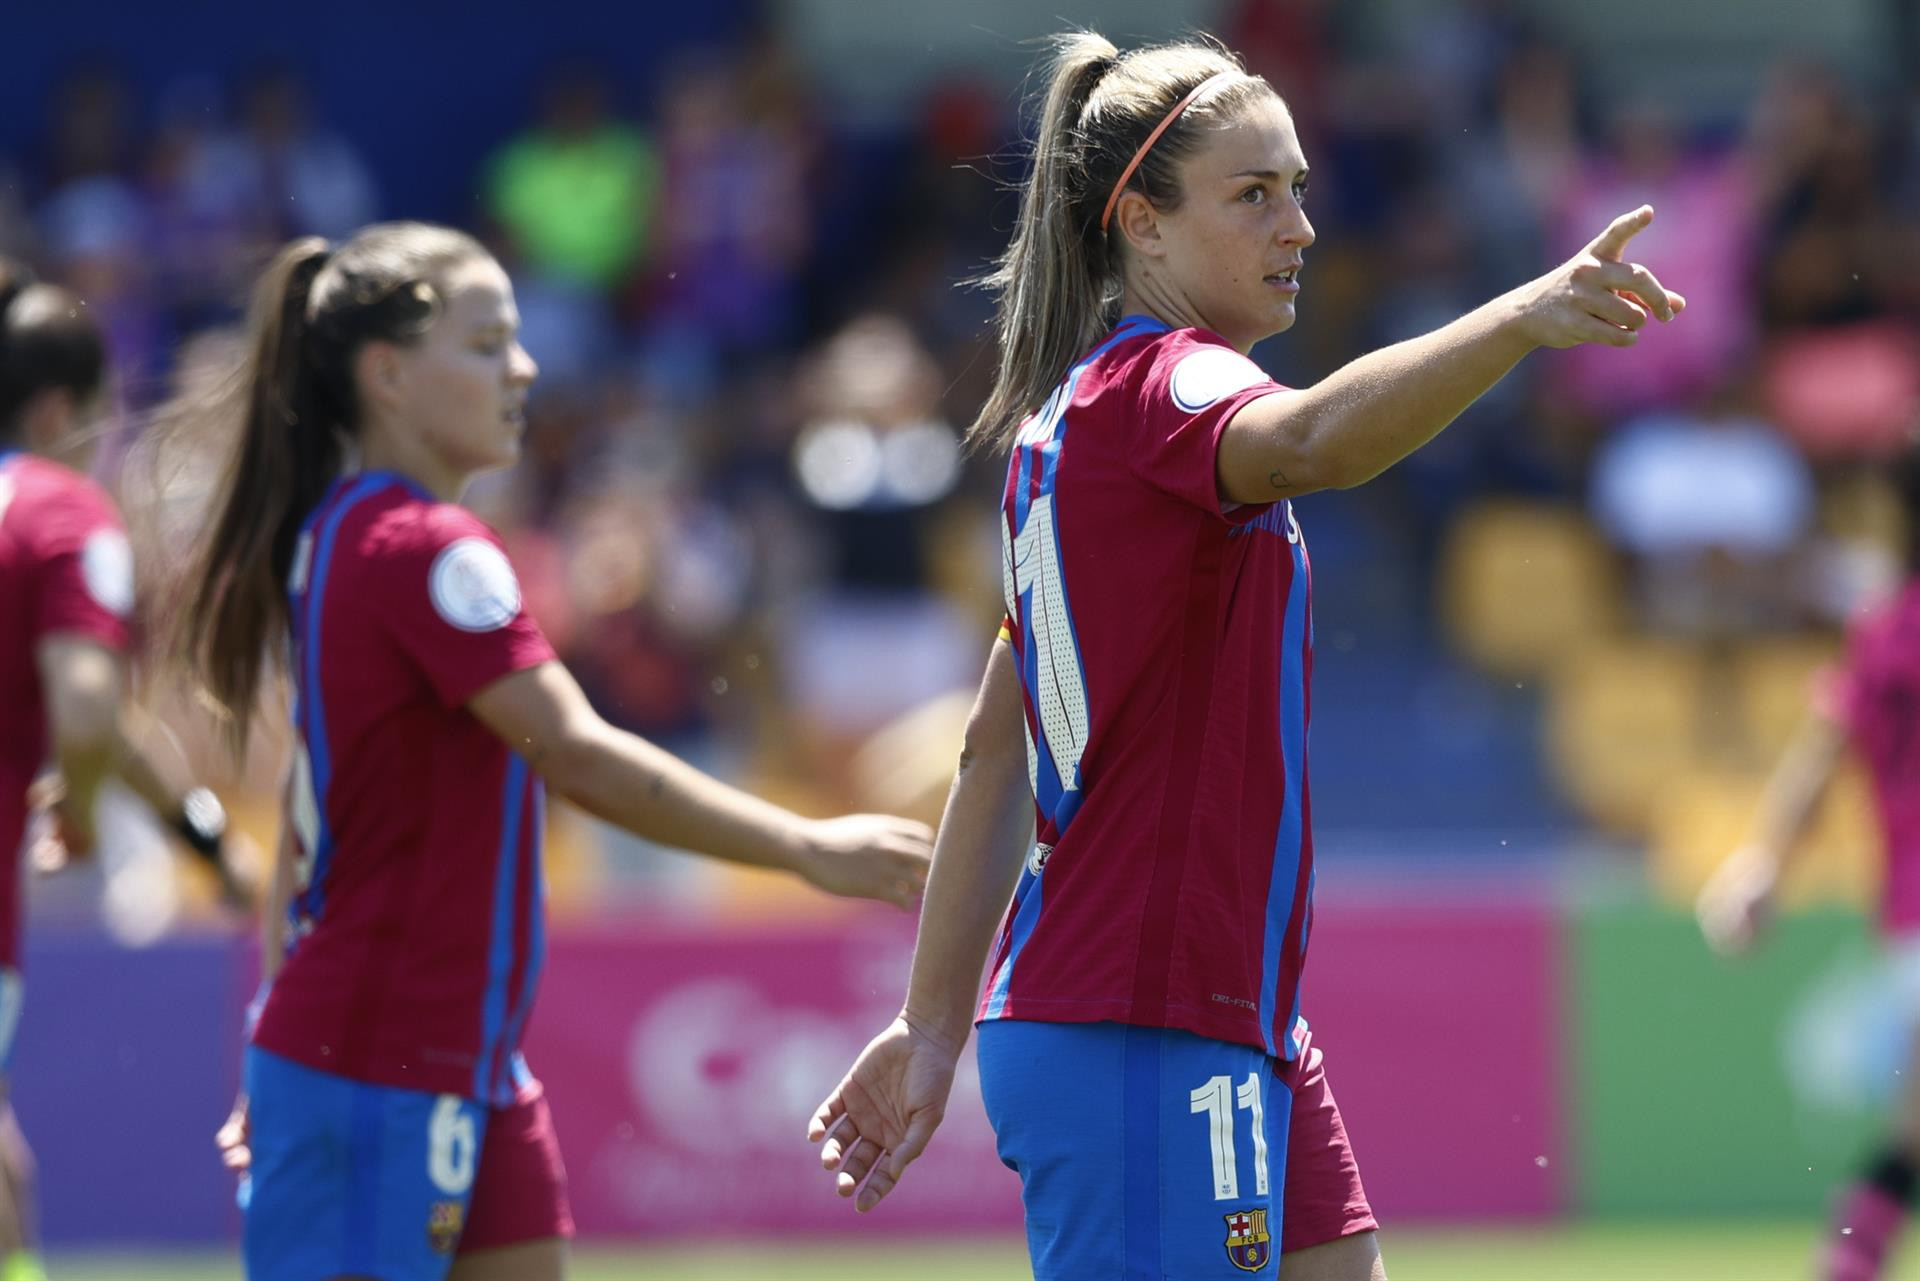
(1558, 650)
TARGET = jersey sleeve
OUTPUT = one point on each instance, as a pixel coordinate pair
(84, 583)
(454, 604)
(1192, 389)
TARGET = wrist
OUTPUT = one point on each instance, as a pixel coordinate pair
(947, 1029)
(201, 824)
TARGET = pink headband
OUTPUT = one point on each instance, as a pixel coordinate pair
(1106, 215)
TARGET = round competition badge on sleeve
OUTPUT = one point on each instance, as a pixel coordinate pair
(106, 566)
(1210, 374)
(473, 587)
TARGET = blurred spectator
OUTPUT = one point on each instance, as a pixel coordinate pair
(1712, 503)
(1700, 243)
(736, 223)
(310, 182)
(575, 193)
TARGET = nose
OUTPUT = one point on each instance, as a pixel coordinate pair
(522, 370)
(1297, 230)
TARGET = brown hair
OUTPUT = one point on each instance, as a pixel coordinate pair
(1058, 284)
(292, 414)
(48, 342)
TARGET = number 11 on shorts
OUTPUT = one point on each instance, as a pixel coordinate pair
(1211, 1098)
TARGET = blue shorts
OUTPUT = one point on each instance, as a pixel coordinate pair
(1143, 1153)
(351, 1179)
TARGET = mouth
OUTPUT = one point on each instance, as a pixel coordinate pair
(516, 416)
(1288, 279)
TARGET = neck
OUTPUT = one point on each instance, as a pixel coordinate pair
(1148, 294)
(384, 451)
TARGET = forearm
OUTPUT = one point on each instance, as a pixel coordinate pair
(977, 855)
(1371, 413)
(1794, 792)
(984, 837)
(633, 784)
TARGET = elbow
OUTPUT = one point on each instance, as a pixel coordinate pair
(566, 761)
(988, 753)
(86, 736)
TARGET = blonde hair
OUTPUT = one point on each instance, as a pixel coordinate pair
(1058, 283)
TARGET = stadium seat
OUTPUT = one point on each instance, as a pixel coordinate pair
(1623, 718)
(1521, 583)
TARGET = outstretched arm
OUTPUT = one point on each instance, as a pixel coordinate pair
(895, 1095)
(542, 714)
(1737, 902)
(1368, 415)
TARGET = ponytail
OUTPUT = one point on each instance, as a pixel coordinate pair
(289, 453)
(1058, 284)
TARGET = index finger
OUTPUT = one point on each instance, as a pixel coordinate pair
(1612, 242)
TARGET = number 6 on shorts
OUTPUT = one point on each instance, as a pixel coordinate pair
(453, 1149)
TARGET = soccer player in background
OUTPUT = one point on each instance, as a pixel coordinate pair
(66, 598)
(1142, 1054)
(392, 1127)
(1868, 702)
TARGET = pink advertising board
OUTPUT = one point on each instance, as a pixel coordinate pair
(682, 1065)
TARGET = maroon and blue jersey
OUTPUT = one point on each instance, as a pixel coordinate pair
(1874, 691)
(1165, 648)
(417, 924)
(65, 570)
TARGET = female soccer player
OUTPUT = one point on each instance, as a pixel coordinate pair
(1141, 1051)
(395, 1130)
(66, 594)
(1871, 702)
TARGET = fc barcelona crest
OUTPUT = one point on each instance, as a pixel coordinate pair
(445, 1220)
(1247, 1240)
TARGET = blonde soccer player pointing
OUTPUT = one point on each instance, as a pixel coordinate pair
(1144, 715)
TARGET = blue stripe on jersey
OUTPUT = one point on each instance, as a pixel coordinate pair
(493, 1006)
(1286, 845)
(1026, 913)
(310, 715)
(1058, 798)
(536, 914)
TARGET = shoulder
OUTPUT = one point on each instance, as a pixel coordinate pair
(57, 495)
(1194, 369)
(442, 554)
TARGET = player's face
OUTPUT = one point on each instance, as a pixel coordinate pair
(1234, 246)
(466, 382)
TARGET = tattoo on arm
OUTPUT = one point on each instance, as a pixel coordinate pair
(1277, 479)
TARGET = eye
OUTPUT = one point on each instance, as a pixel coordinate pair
(1254, 195)
(1300, 192)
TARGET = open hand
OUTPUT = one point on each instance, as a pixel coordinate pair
(878, 1119)
(1736, 906)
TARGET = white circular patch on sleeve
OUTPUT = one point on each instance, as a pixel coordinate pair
(1211, 373)
(106, 566)
(473, 586)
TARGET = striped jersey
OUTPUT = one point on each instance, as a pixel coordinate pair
(66, 571)
(417, 927)
(1165, 647)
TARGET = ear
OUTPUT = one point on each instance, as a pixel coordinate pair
(380, 376)
(45, 417)
(1139, 222)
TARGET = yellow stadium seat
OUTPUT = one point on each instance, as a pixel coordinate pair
(1521, 583)
(1622, 719)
